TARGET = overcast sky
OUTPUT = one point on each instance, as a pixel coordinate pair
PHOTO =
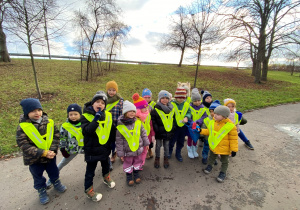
(148, 19)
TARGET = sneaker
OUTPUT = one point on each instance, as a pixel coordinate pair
(90, 193)
(48, 184)
(44, 198)
(59, 187)
(221, 177)
(129, 179)
(204, 161)
(249, 145)
(208, 169)
(179, 157)
(108, 181)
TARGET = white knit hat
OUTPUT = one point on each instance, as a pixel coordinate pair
(128, 106)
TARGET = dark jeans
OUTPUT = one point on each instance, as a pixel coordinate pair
(205, 149)
(90, 171)
(37, 170)
(178, 138)
(113, 137)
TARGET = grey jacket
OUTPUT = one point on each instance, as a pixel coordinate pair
(122, 145)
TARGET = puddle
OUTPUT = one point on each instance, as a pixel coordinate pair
(291, 129)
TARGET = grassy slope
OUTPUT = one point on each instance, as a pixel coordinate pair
(60, 83)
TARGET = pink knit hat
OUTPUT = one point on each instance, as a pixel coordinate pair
(139, 102)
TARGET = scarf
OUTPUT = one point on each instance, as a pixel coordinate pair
(206, 104)
(74, 122)
(142, 115)
(113, 99)
(166, 108)
(127, 121)
(37, 121)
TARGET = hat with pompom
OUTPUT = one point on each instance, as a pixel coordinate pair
(139, 102)
(205, 94)
(228, 101)
(99, 95)
(214, 105)
(180, 93)
(146, 92)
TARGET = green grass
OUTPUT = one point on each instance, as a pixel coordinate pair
(61, 85)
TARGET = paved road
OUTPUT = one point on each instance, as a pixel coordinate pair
(266, 178)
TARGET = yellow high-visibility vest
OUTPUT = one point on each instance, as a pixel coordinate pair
(152, 104)
(146, 124)
(167, 119)
(206, 121)
(132, 136)
(42, 142)
(215, 137)
(197, 114)
(188, 100)
(74, 131)
(236, 119)
(206, 110)
(103, 130)
(179, 114)
(110, 106)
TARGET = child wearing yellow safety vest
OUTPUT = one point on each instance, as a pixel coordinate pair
(182, 115)
(163, 124)
(131, 140)
(96, 124)
(115, 107)
(204, 125)
(71, 138)
(38, 138)
(238, 119)
(223, 140)
(198, 114)
(143, 114)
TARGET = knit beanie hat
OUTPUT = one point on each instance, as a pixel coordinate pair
(99, 95)
(163, 93)
(74, 107)
(228, 101)
(146, 92)
(112, 84)
(139, 102)
(222, 110)
(205, 94)
(128, 106)
(180, 93)
(214, 105)
(196, 95)
(30, 104)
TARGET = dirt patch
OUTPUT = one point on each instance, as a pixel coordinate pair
(239, 79)
(45, 96)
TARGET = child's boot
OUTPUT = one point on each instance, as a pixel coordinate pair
(150, 153)
(137, 178)
(166, 162)
(108, 181)
(44, 198)
(113, 157)
(194, 149)
(59, 187)
(129, 179)
(190, 152)
(48, 184)
(178, 156)
(156, 162)
(221, 177)
(249, 145)
(92, 194)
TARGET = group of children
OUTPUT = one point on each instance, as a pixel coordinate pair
(110, 125)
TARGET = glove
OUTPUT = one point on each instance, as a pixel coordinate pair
(97, 115)
(233, 154)
(64, 153)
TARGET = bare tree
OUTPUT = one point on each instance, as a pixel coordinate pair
(95, 23)
(4, 56)
(117, 33)
(237, 55)
(206, 27)
(180, 33)
(25, 21)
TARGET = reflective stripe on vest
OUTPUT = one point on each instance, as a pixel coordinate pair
(103, 130)
(236, 119)
(206, 110)
(197, 114)
(188, 100)
(35, 136)
(206, 121)
(133, 139)
(215, 137)
(110, 106)
(146, 124)
(179, 114)
(167, 119)
(152, 104)
(75, 131)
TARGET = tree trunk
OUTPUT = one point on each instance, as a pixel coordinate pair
(257, 72)
(265, 69)
(181, 58)
(253, 67)
(4, 56)
(198, 64)
(34, 71)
